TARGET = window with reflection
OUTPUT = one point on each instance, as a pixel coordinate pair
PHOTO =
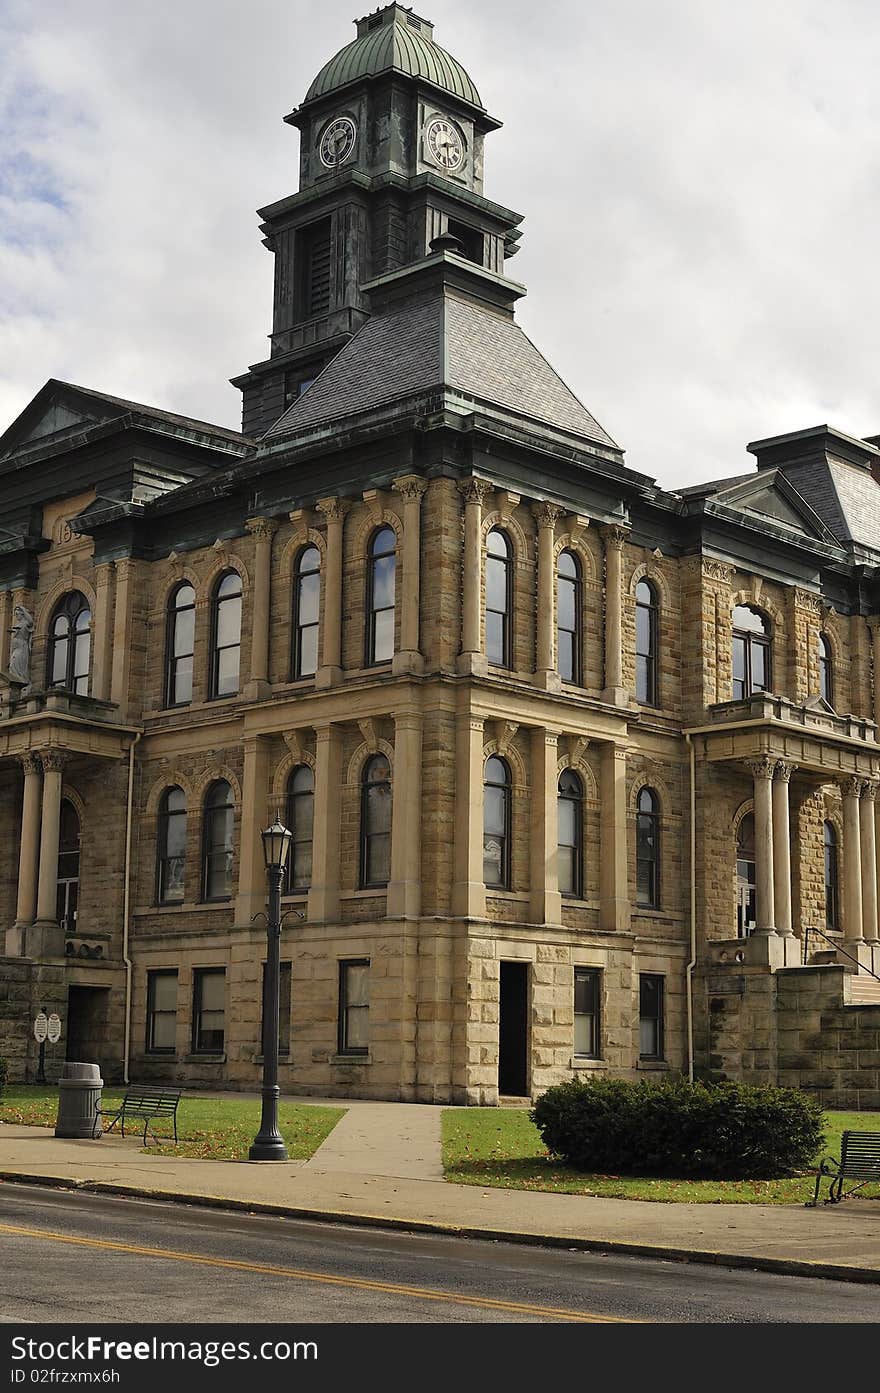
(826, 670)
(496, 823)
(568, 617)
(647, 629)
(70, 644)
(499, 590)
(570, 834)
(832, 880)
(226, 635)
(300, 812)
(180, 645)
(382, 568)
(648, 850)
(746, 877)
(376, 822)
(306, 602)
(751, 652)
(67, 899)
(171, 850)
(218, 844)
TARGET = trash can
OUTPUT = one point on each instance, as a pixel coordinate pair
(79, 1097)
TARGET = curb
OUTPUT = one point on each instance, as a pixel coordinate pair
(792, 1267)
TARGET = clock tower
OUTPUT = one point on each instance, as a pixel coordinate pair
(391, 158)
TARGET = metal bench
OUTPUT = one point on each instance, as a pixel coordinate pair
(144, 1103)
(859, 1160)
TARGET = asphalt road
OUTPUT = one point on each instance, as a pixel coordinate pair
(76, 1257)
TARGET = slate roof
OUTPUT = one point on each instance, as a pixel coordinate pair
(442, 343)
(171, 417)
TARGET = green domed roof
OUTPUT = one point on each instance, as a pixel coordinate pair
(394, 39)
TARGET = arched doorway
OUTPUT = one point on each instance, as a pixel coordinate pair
(745, 876)
(68, 867)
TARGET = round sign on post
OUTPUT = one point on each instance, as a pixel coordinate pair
(53, 1028)
(41, 1027)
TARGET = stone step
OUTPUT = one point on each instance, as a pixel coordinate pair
(862, 991)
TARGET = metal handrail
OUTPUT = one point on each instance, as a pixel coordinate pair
(811, 929)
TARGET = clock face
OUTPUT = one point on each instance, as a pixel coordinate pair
(337, 141)
(445, 143)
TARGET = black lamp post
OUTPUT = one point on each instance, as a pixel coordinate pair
(268, 1144)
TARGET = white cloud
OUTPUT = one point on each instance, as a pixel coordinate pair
(701, 185)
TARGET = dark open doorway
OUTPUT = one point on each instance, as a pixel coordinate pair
(513, 1057)
(88, 1012)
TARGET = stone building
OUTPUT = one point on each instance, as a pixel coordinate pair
(572, 762)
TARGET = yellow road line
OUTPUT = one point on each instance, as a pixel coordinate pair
(360, 1283)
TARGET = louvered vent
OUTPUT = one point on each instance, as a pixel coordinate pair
(315, 263)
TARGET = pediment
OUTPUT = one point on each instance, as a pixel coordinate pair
(771, 497)
(57, 411)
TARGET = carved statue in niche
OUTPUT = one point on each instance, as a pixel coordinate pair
(22, 631)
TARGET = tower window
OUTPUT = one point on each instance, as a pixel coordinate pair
(314, 248)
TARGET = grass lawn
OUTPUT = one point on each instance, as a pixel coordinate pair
(502, 1147)
(211, 1129)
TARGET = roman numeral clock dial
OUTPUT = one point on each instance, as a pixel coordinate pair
(445, 143)
(337, 141)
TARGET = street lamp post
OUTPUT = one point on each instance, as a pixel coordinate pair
(268, 1144)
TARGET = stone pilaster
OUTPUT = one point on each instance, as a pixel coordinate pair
(408, 658)
(102, 635)
(868, 851)
(123, 647)
(46, 938)
(851, 790)
(26, 904)
(469, 888)
(782, 847)
(805, 612)
(546, 901)
(614, 538)
(474, 492)
(405, 886)
(875, 648)
(323, 904)
(614, 898)
(330, 670)
(252, 883)
(546, 516)
(262, 530)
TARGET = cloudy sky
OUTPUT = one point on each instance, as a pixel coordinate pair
(701, 185)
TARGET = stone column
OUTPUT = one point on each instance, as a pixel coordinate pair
(852, 861)
(546, 515)
(469, 889)
(546, 901)
(614, 900)
(614, 690)
(474, 493)
(120, 673)
(46, 938)
(262, 530)
(102, 635)
(26, 907)
(782, 847)
(765, 899)
(323, 905)
(875, 636)
(868, 852)
(409, 657)
(330, 671)
(252, 883)
(405, 886)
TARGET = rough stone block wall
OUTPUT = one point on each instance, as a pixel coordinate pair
(825, 1047)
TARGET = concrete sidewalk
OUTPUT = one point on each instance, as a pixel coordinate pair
(381, 1165)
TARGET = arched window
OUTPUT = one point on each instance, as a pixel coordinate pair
(376, 822)
(69, 644)
(746, 877)
(832, 882)
(496, 823)
(68, 866)
(568, 617)
(306, 601)
(226, 635)
(300, 814)
(647, 630)
(381, 583)
(180, 645)
(751, 652)
(826, 670)
(499, 589)
(570, 835)
(217, 842)
(648, 850)
(171, 847)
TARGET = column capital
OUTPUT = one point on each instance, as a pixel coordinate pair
(763, 767)
(411, 487)
(125, 567)
(852, 787)
(783, 771)
(103, 573)
(474, 490)
(614, 535)
(53, 761)
(547, 514)
(30, 763)
(869, 790)
(263, 529)
(334, 509)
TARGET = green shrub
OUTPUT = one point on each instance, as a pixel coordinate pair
(722, 1131)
